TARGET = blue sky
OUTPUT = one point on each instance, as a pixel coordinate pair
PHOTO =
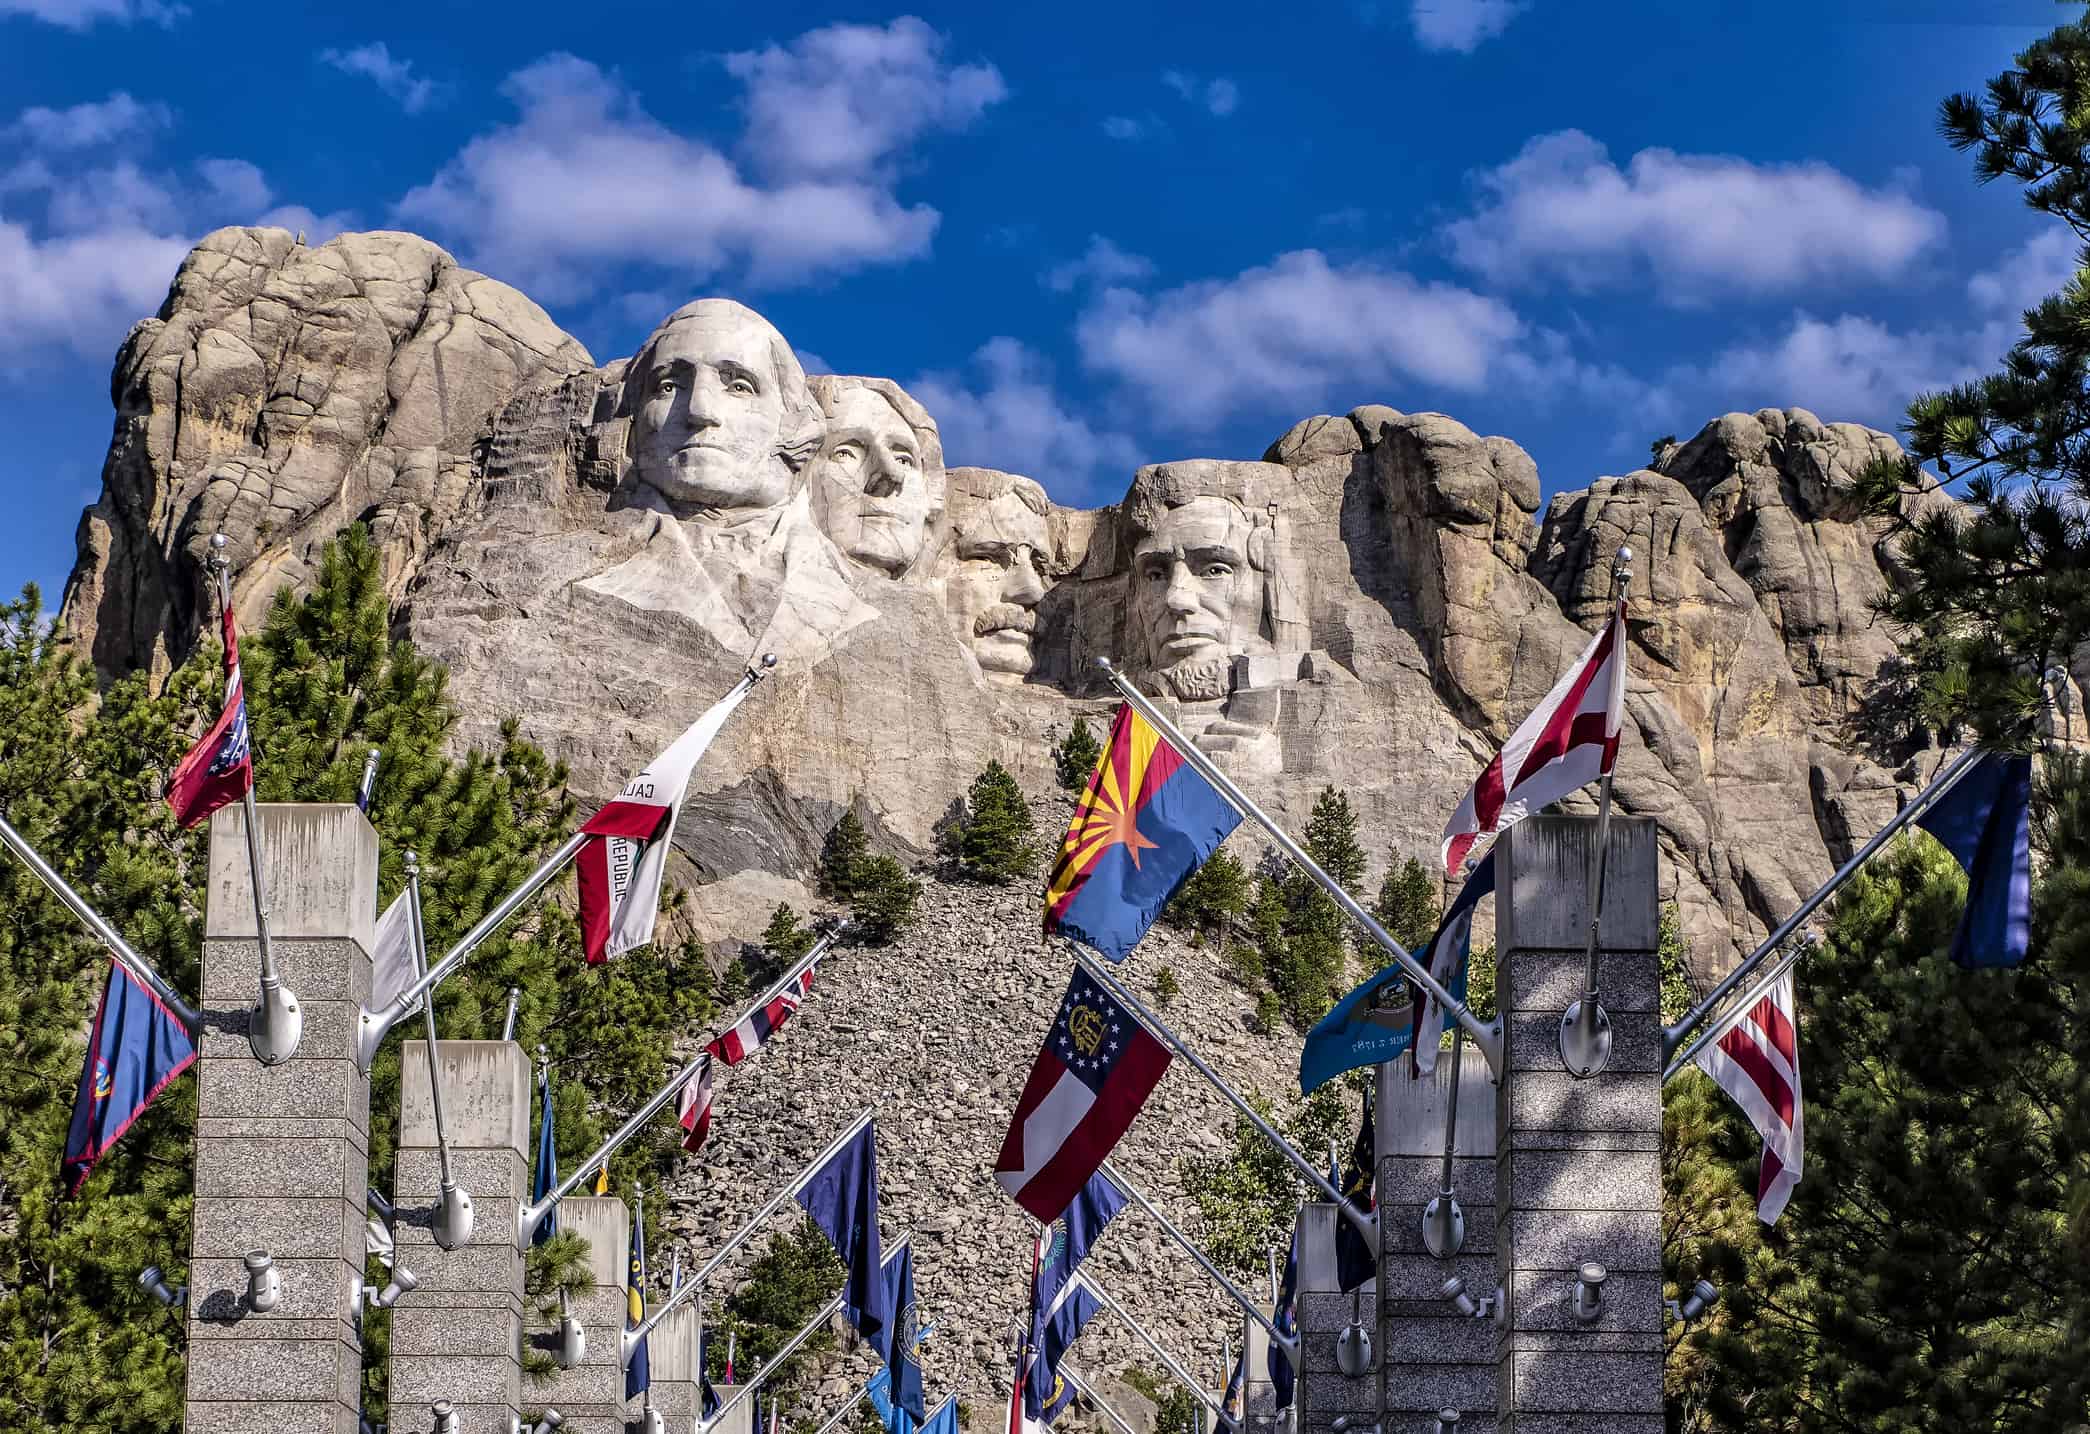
(1087, 236)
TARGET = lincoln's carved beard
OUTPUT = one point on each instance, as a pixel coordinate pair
(1205, 680)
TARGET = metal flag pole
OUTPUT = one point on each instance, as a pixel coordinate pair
(1734, 1015)
(1183, 1376)
(372, 1025)
(452, 1225)
(276, 1023)
(1275, 1287)
(1585, 1027)
(508, 1022)
(528, 1215)
(1443, 1222)
(789, 1192)
(367, 788)
(647, 1417)
(119, 948)
(812, 1327)
(1930, 796)
(1088, 1391)
(1367, 1225)
(1488, 1037)
(834, 1420)
(1289, 1343)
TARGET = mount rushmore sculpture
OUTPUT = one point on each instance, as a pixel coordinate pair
(598, 550)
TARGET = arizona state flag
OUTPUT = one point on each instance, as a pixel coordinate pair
(1146, 821)
(135, 1048)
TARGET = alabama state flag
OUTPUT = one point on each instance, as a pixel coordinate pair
(1146, 821)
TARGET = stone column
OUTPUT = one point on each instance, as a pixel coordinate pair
(1322, 1392)
(282, 1151)
(458, 1335)
(1430, 1356)
(591, 1395)
(672, 1356)
(1578, 1173)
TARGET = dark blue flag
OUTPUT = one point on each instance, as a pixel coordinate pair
(1045, 1391)
(902, 1334)
(842, 1198)
(1070, 1236)
(945, 1419)
(1377, 1021)
(1287, 1322)
(1985, 821)
(547, 1179)
(134, 1048)
(638, 1375)
(707, 1395)
(1354, 1262)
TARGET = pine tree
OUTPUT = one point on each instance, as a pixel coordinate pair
(796, 1275)
(1331, 840)
(782, 942)
(1076, 755)
(1212, 898)
(842, 856)
(884, 902)
(1247, 1194)
(1407, 905)
(995, 841)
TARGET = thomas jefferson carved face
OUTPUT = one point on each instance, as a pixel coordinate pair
(1196, 595)
(716, 399)
(1000, 545)
(872, 481)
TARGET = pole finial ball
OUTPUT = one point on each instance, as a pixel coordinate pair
(769, 659)
(1625, 555)
(1104, 663)
(218, 542)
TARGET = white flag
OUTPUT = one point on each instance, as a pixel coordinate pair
(393, 969)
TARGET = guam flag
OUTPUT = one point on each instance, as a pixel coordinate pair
(135, 1047)
(1146, 822)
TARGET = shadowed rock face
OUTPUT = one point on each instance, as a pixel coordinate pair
(1373, 604)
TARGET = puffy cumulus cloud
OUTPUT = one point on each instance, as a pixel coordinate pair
(1460, 25)
(1287, 335)
(846, 100)
(2038, 267)
(1004, 412)
(1219, 96)
(79, 292)
(1101, 263)
(1702, 227)
(87, 126)
(394, 77)
(583, 145)
(1124, 127)
(80, 14)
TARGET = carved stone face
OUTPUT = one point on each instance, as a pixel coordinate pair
(1196, 597)
(709, 410)
(870, 485)
(999, 579)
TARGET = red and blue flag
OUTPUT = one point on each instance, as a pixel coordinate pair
(219, 769)
(135, 1047)
(1146, 821)
(758, 1025)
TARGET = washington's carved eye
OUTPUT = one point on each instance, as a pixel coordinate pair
(904, 459)
(848, 453)
(664, 385)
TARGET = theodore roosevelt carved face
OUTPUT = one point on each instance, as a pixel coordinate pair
(1000, 544)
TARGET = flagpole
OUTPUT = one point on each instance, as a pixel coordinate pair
(119, 948)
(812, 1327)
(276, 1024)
(843, 1413)
(452, 1225)
(1734, 1015)
(1088, 1392)
(1367, 1225)
(1930, 796)
(740, 1237)
(1443, 1222)
(1489, 1038)
(528, 1215)
(1585, 1027)
(1289, 1343)
(1183, 1376)
(647, 1403)
(372, 1025)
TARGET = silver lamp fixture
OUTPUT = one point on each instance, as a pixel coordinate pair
(573, 1340)
(1353, 1346)
(1589, 1292)
(155, 1284)
(264, 1281)
(1447, 1421)
(1704, 1295)
(446, 1421)
(1486, 1307)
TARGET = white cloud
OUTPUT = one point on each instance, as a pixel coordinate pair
(79, 291)
(1218, 96)
(1701, 226)
(1290, 333)
(80, 14)
(395, 77)
(1101, 263)
(317, 228)
(2035, 269)
(87, 126)
(1009, 417)
(844, 101)
(585, 179)
(1123, 127)
(1461, 25)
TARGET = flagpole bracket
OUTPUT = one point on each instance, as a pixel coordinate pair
(452, 1225)
(371, 1029)
(276, 1024)
(1443, 1226)
(1585, 1038)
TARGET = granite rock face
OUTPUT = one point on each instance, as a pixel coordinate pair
(1374, 603)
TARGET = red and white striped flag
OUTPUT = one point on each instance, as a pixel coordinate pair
(1568, 741)
(1758, 1064)
(621, 869)
(758, 1025)
(693, 1109)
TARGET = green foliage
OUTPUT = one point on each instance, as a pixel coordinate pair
(1076, 756)
(1166, 987)
(1407, 905)
(1269, 1011)
(1331, 840)
(1673, 959)
(883, 903)
(1213, 897)
(797, 1274)
(782, 942)
(1247, 1195)
(1480, 981)
(1175, 1411)
(842, 856)
(994, 840)
(1656, 448)
(1309, 973)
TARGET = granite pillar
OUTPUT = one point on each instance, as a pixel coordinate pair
(591, 1395)
(672, 1357)
(1578, 1162)
(282, 1151)
(1323, 1393)
(458, 1335)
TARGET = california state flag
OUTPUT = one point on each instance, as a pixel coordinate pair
(622, 864)
(1570, 740)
